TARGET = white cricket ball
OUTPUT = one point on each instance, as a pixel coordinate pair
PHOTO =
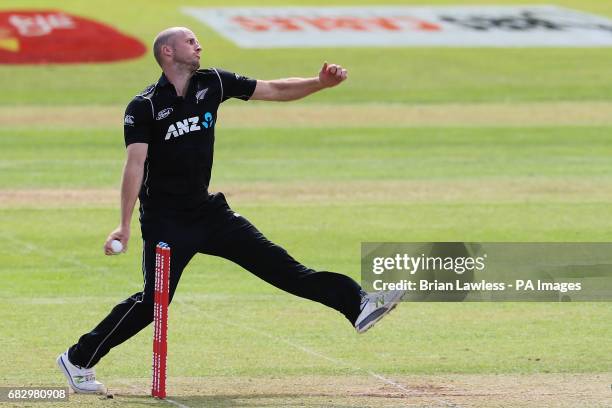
(116, 246)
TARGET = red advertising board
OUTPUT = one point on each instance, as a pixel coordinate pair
(49, 36)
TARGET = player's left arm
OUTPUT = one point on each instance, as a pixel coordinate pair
(290, 89)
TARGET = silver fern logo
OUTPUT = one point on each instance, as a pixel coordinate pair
(200, 94)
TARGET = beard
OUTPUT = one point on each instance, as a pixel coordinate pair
(192, 64)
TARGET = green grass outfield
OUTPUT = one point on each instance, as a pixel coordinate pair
(412, 75)
(318, 190)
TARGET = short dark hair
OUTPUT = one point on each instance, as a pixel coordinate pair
(163, 38)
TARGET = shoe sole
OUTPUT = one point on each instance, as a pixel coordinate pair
(383, 314)
(64, 370)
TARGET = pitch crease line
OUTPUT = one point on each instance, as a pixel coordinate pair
(27, 247)
(307, 350)
(177, 404)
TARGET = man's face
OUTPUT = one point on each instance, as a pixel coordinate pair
(187, 49)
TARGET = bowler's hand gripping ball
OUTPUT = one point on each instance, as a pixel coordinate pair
(116, 246)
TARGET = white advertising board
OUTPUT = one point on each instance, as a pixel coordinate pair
(455, 26)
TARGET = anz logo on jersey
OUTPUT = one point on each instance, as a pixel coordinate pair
(188, 125)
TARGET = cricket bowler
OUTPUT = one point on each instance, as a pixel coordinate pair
(169, 132)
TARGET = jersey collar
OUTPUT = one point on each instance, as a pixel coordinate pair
(163, 82)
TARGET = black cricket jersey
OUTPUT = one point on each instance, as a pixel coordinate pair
(180, 133)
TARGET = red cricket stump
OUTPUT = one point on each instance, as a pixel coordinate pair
(160, 319)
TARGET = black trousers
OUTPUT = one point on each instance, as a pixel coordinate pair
(213, 229)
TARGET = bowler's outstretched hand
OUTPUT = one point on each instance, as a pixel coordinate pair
(332, 74)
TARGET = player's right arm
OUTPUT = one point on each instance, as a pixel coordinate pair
(130, 187)
(137, 132)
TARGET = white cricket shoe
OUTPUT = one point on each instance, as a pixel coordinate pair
(374, 306)
(81, 380)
